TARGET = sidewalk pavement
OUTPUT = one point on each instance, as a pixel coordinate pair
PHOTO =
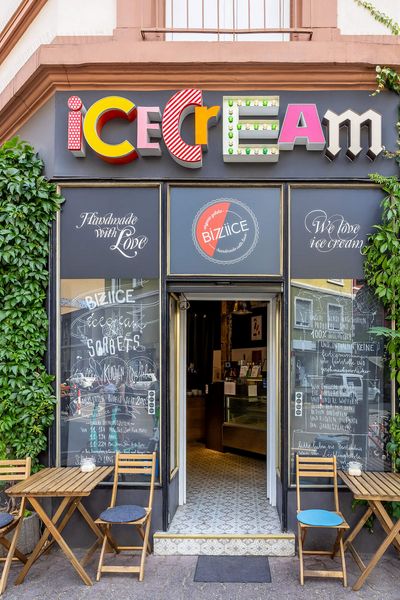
(171, 578)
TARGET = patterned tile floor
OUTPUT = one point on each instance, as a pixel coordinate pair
(226, 493)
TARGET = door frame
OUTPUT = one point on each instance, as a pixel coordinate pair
(273, 379)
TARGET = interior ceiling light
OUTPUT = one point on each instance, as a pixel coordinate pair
(241, 308)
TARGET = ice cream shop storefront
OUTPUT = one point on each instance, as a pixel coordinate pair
(207, 298)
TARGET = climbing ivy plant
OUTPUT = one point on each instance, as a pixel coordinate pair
(382, 253)
(382, 267)
(28, 205)
(379, 16)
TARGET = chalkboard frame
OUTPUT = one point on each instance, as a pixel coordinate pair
(56, 240)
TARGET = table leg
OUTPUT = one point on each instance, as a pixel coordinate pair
(354, 533)
(37, 550)
(98, 532)
(71, 509)
(60, 540)
(385, 521)
(94, 527)
(378, 555)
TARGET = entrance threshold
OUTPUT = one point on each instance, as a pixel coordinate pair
(227, 510)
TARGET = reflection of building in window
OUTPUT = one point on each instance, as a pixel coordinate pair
(335, 317)
(303, 312)
(336, 281)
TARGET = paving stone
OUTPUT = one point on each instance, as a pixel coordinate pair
(171, 577)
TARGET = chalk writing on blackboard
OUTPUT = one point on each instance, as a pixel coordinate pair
(110, 371)
(338, 371)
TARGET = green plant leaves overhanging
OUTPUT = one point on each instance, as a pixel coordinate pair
(28, 205)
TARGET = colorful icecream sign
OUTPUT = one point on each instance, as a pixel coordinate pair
(251, 129)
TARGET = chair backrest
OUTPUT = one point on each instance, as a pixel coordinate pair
(316, 466)
(15, 470)
(134, 464)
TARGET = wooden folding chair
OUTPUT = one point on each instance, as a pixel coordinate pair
(12, 470)
(138, 516)
(312, 466)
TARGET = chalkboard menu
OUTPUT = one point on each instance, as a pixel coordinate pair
(340, 398)
(110, 368)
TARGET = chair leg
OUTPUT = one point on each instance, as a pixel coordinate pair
(142, 534)
(337, 543)
(144, 550)
(21, 557)
(342, 556)
(101, 559)
(301, 539)
(10, 554)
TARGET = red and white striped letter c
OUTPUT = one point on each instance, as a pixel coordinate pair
(178, 107)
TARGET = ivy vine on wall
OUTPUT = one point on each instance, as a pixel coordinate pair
(382, 267)
(28, 205)
(380, 17)
(382, 253)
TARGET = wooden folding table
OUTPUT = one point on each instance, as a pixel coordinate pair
(70, 484)
(375, 488)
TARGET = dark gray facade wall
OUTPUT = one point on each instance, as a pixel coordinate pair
(279, 497)
(293, 164)
(40, 132)
(173, 497)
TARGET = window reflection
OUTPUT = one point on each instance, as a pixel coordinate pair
(340, 388)
(110, 368)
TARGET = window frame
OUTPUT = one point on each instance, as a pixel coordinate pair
(296, 323)
(328, 306)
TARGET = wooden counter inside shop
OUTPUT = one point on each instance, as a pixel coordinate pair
(196, 418)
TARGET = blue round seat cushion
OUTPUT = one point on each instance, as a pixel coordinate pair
(5, 519)
(125, 513)
(319, 518)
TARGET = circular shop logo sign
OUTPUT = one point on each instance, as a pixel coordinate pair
(225, 231)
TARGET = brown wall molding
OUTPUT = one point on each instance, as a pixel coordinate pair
(47, 80)
(121, 63)
(19, 22)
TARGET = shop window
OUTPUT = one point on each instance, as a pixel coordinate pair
(340, 385)
(110, 368)
(303, 312)
(335, 317)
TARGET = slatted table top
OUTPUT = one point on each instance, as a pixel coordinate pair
(60, 481)
(373, 485)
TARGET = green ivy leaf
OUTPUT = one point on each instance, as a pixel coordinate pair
(28, 205)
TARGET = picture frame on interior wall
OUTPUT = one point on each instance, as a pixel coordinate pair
(256, 328)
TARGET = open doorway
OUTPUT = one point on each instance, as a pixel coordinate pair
(226, 359)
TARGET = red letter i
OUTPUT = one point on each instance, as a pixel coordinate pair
(75, 117)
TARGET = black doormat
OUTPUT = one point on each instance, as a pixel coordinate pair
(232, 569)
